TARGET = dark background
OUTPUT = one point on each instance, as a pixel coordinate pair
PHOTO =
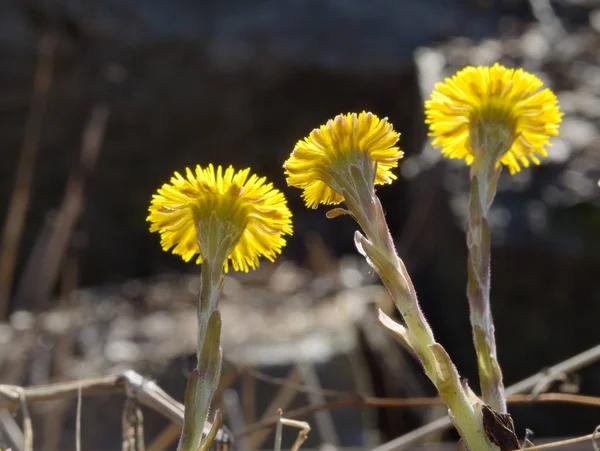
(182, 83)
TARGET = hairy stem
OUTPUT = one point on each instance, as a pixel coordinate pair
(484, 176)
(378, 247)
(204, 380)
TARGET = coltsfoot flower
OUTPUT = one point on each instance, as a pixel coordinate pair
(506, 104)
(321, 162)
(246, 208)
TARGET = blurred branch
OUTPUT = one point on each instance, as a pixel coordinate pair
(45, 261)
(393, 403)
(568, 398)
(12, 430)
(584, 438)
(130, 383)
(249, 398)
(302, 434)
(169, 435)
(132, 421)
(78, 420)
(259, 375)
(19, 202)
(323, 419)
(145, 391)
(574, 363)
(149, 394)
(282, 400)
(233, 407)
(22, 440)
(27, 426)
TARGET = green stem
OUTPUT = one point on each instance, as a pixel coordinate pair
(369, 214)
(484, 176)
(204, 380)
(379, 248)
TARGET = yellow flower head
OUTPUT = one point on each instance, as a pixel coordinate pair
(321, 162)
(249, 210)
(504, 103)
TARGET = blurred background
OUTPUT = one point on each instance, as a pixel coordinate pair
(100, 101)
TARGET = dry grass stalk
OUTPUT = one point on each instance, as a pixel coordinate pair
(45, 262)
(78, 421)
(143, 390)
(19, 202)
(284, 397)
(593, 437)
(165, 438)
(302, 434)
(133, 426)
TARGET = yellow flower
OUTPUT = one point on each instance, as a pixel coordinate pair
(503, 102)
(248, 209)
(321, 162)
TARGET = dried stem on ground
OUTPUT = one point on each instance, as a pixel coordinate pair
(398, 403)
(149, 394)
(142, 390)
(11, 430)
(302, 435)
(593, 437)
(586, 358)
(133, 427)
(78, 420)
(145, 391)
